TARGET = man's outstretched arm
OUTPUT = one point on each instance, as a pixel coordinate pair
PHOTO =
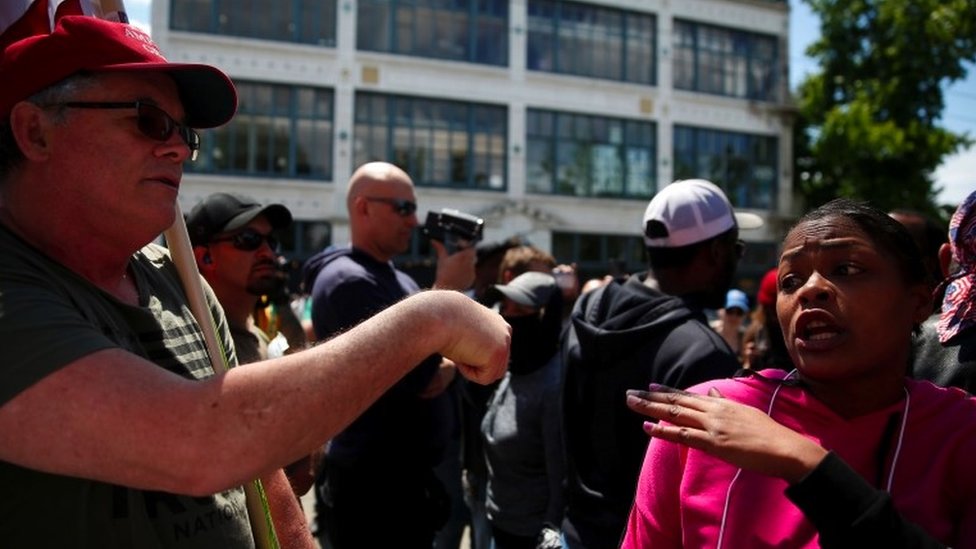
(114, 417)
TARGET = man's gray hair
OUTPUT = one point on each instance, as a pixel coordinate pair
(11, 157)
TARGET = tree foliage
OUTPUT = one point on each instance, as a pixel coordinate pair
(868, 124)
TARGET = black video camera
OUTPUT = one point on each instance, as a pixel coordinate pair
(456, 230)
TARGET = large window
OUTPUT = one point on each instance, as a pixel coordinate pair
(583, 155)
(438, 142)
(744, 165)
(279, 130)
(597, 255)
(725, 62)
(594, 41)
(475, 31)
(303, 21)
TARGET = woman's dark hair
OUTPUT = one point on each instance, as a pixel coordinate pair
(886, 233)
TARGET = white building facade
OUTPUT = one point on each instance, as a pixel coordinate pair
(555, 121)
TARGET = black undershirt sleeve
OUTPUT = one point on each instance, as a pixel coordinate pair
(848, 512)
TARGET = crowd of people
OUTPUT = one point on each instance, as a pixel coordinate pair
(508, 398)
(118, 430)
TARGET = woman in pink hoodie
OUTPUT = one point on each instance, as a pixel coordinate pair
(844, 451)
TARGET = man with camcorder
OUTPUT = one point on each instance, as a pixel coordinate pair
(385, 458)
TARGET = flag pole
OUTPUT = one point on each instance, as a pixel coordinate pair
(111, 10)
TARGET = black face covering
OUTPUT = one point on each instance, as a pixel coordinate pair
(534, 341)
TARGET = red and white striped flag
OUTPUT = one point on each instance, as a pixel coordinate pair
(22, 18)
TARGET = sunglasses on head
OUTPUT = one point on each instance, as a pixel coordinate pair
(151, 120)
(402, 207)
(249, 240)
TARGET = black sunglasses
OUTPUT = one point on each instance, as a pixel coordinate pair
(249, 240)
(400, 206)
(151, 120)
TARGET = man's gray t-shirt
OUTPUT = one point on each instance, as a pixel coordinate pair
(50, 317)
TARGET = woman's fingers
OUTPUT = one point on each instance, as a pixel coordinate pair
(693, 437)
(742, 435)
(704, 422)
(677, 397)
(675, 407)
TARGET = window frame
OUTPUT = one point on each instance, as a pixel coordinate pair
(569, 33)
(243, 19)
(694, 156)
(724, 61)
(561, 135)
(390, 127)
(472, 31)
(273, 106)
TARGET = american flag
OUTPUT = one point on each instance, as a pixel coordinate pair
(22, 18)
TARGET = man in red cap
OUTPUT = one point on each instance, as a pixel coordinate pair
(114, 429)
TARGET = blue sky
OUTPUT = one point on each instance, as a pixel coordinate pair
(138, 11)
(957, 176)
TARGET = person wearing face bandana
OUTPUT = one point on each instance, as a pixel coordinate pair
(522, 427)
(945, 350)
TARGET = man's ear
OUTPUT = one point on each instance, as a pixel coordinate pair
(31, 127)
(945, 259)
(717, 252)
(205, 261)
(359, 206)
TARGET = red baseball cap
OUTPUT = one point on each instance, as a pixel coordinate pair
(89, 44)
(767, 288)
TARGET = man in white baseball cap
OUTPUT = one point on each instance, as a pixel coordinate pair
(691, 211)
(647, 329)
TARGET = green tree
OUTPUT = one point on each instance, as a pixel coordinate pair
(868, 124)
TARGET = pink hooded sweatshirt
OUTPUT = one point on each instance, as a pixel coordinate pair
(681, 495)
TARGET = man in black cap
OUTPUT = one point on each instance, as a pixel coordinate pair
(522, 428)
(235, 251)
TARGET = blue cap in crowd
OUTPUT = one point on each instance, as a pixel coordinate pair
(737, 299)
